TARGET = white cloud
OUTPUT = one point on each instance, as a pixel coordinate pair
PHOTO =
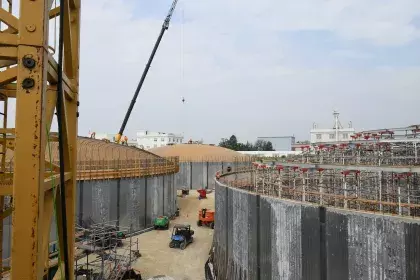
(350, 54)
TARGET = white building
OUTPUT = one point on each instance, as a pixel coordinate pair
(336, 134)
(101, 135)
(149, 139)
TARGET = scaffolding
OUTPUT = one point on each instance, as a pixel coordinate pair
(105, 252)
(370, 175)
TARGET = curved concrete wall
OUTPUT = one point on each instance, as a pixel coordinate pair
(197, 175)
(130, 201)
(259, 238)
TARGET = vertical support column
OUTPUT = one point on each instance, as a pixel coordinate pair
(81, 202)
(258, 237)
(399, 201)
(303, 186)
(280, 182)
(380, 190)
(345, 192)
(118, 202)
(207, 173)
(145, 202)
(321, 186)
(408, 197)
(191, 170)
(227, 227)
(263, 182)
(30, 142)
(323, 243)
(163, 195)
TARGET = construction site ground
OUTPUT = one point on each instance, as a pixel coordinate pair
(158, 259)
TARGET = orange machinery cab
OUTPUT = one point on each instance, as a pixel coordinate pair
(206, 217)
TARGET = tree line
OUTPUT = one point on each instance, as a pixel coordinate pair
(233, 144)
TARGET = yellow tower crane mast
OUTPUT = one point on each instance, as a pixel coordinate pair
(40, 85)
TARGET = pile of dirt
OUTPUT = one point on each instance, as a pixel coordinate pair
(199, 153)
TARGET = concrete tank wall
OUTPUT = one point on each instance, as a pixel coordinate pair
(259, 238)
(129, 201)
(197, 175)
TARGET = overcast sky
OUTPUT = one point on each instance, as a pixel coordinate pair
(250, 68)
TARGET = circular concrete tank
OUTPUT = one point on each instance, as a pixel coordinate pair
(199, 163)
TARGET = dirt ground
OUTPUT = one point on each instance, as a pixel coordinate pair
(158, 259)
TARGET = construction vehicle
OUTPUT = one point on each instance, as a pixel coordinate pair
(206, 218)
(182, 235)
(165, 27)
(161, 222)
(202, 194)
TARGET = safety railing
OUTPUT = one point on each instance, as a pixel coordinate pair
(403, 201)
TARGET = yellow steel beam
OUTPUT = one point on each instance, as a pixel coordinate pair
(68, 86)
(10, 91)
(7, 130)
(6, 190)
(29, 156)
(54, 180)
(68, 50)
(6, 213)
(8, 52)
(54, 12)
(8, 55)
(8, 76)
(9, 19)
(75, 4)
(7, 39)
(47, 215)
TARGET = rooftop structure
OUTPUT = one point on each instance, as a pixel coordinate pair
(337, 133)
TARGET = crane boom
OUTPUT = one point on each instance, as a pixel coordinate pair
(165, 27)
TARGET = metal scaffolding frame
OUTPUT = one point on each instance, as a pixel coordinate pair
(373, 176)
(106, 252)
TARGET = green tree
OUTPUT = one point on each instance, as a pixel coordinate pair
(233, 144)
(262, 145)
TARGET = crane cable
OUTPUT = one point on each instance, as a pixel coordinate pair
(59, 109)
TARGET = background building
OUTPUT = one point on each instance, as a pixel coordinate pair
(300, 145)
(280, 143)
(150, 139)
(335, 134)
(102, 135)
